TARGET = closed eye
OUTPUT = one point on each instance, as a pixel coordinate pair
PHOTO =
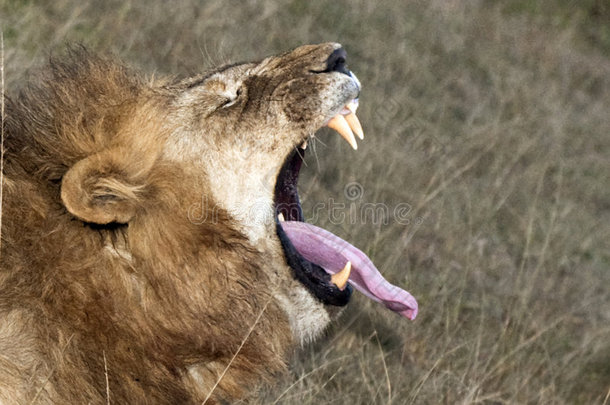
(232, 100)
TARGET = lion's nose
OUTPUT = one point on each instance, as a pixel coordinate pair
(336, 62)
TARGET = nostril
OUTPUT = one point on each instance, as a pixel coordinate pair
(336, 61)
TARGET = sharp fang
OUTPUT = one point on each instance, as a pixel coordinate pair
(304, 145)
(340, 278)
(339, 124)
(280, 217)
(354, 124)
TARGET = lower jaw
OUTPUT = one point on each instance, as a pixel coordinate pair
(313, 277)
(307, 316)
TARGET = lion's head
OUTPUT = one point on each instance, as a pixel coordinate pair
(158, 223)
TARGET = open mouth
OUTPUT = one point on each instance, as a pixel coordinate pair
(324, 263)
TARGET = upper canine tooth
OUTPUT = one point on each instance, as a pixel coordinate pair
(354, 124)
(304, 144)
(339, 124)
(340, 278)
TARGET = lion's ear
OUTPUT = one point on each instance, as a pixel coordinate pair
(102, 188)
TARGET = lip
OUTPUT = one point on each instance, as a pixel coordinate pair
(287, 203)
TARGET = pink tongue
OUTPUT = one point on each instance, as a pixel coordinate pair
(331, 252)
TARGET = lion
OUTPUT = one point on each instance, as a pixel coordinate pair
(153, 243)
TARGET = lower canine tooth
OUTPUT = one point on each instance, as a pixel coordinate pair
(280, 217)
(339, 124)
(340, 278)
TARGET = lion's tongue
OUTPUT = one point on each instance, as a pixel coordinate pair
(331, 252)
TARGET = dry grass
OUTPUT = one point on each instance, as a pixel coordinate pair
(1, 132)
(491, 122)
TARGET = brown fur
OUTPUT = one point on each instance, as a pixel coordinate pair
(104, 271)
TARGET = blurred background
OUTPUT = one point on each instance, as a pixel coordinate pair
(488, 143)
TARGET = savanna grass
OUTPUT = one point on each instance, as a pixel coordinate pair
(486, 123)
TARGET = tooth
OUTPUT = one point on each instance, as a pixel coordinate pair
(304, 145)
(340, 278)
(352, 106)
(354, 124)
(280, 217)
(339, 124)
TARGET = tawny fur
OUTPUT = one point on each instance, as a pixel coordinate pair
(104, 266)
